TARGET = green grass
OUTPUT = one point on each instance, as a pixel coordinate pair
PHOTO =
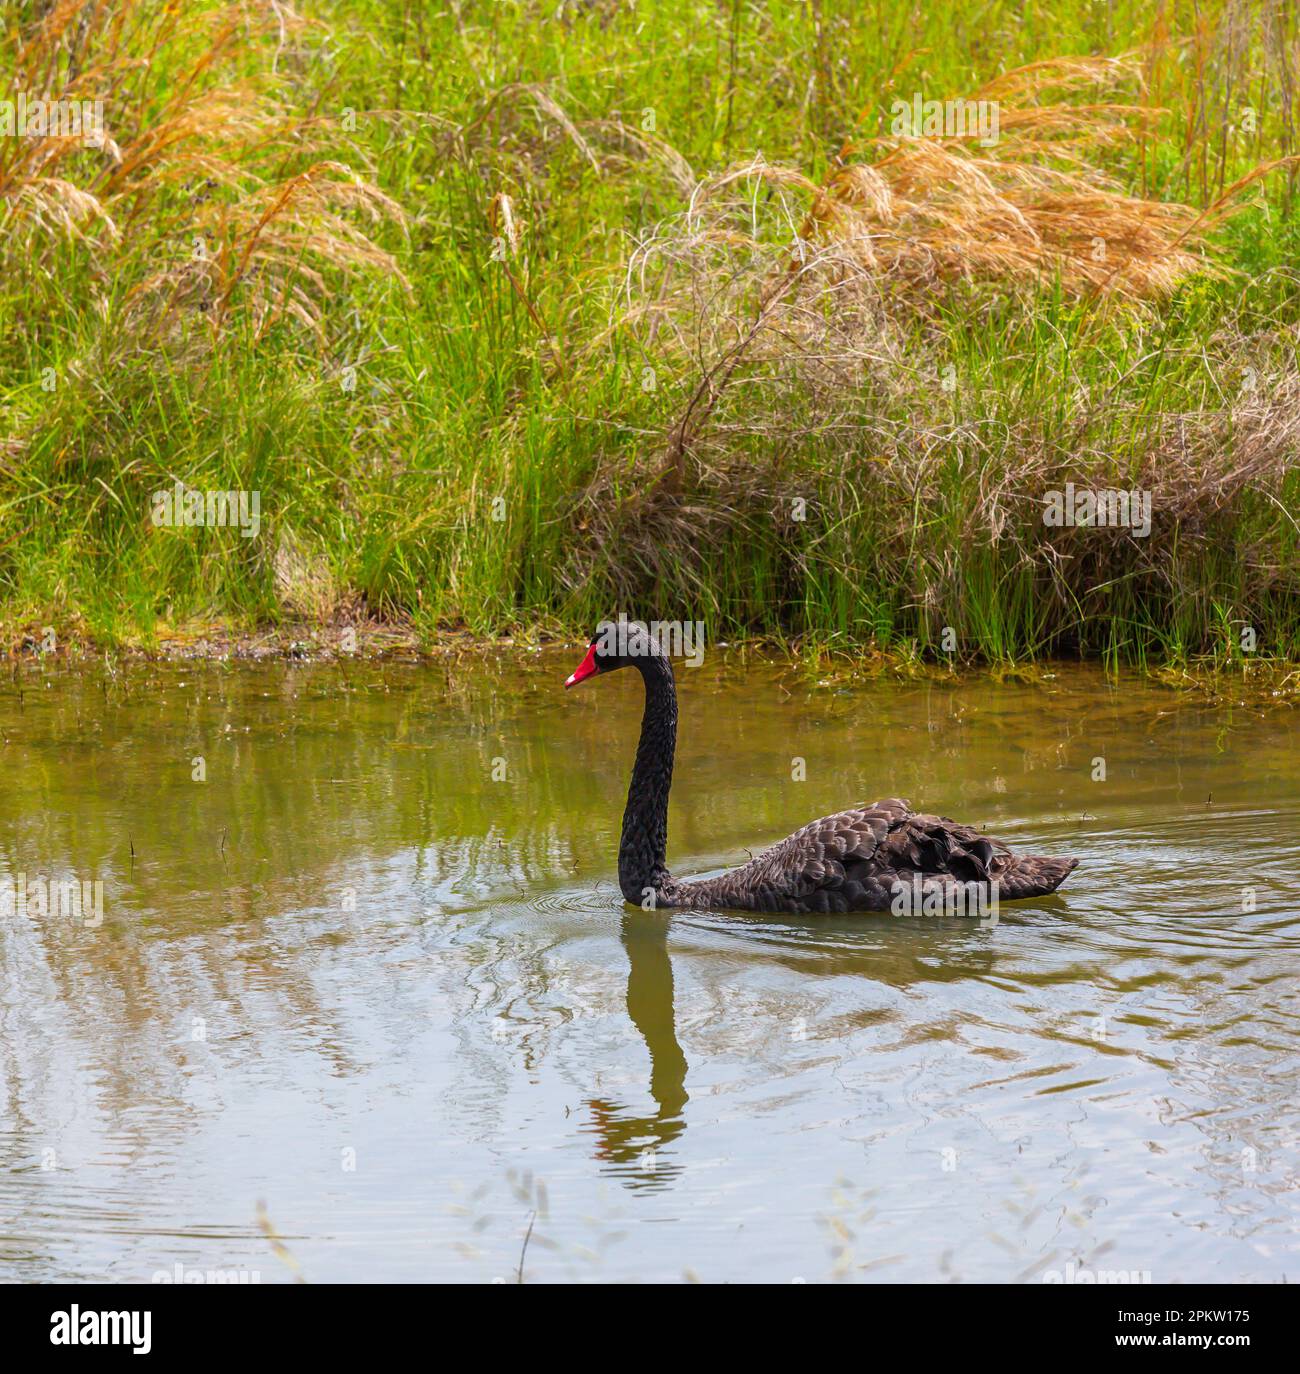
(511, 389)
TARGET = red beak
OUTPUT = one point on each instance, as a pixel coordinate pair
(587, 668)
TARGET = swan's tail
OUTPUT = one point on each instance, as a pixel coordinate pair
(1034, 875)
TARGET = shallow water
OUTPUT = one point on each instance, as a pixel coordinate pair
(373, 971)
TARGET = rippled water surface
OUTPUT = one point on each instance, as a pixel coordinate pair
(373, 971)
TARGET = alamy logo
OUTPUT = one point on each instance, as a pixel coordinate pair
(920, 118)
(1078, 1274)
(920, 898)
(29, 117)
(80, 901)
(179, 1273)
(186, 506)
(634, 638)
(75, 1327)
(1101, 509)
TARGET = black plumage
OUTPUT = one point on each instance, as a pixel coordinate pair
(861, 859)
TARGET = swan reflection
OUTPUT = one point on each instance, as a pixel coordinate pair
(632, 1146)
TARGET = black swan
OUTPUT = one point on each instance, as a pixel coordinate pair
(858, 860)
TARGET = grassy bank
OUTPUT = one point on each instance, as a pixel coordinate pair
(517, 314)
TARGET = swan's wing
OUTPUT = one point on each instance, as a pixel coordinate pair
(934, 845)
(936, 850)
(873, 847)
(855, 860)
(830, 852)
(928, 848)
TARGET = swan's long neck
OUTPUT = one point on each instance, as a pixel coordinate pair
(643, 848)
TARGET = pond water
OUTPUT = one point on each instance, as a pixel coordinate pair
(361, 977)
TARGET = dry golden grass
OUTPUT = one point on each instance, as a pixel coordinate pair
(797, 326)
(1036, 205)
(196, 156)
(771, 275)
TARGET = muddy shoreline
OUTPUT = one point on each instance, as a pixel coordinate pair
(1257, 682)
(292, 642)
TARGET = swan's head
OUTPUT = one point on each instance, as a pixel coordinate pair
(615, 645)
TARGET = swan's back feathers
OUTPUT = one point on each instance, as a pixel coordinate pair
(856, 860)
